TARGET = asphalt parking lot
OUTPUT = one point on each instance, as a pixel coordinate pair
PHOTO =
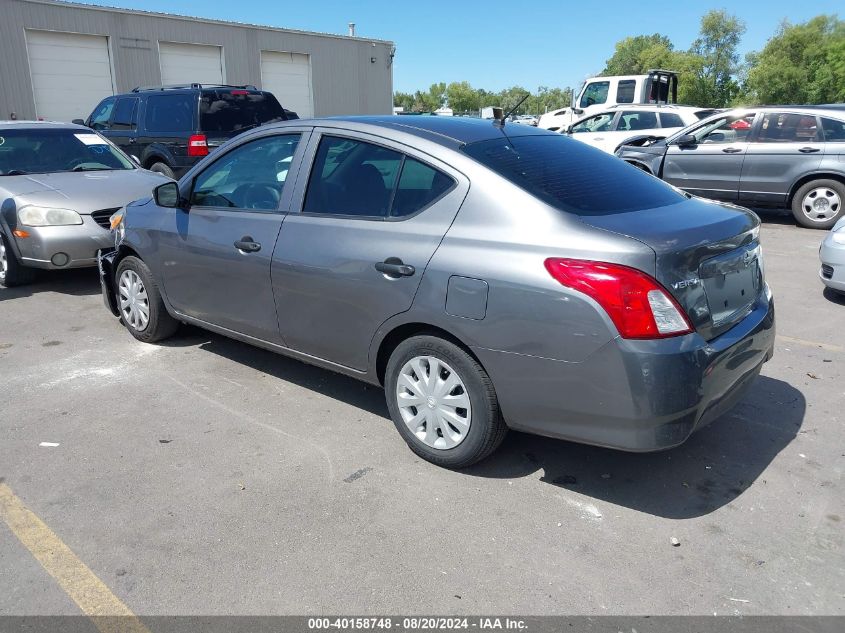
(204, 476)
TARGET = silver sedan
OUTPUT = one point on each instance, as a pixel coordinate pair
(59, 184)
(832, 254)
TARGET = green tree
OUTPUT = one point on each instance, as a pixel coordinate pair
(802, 63)
(635, 55)
(462, 97)
(403, 100)
(716, 60)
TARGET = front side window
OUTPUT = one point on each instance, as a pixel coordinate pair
(102, 113)
(625, 91)
(125, 114)
(50, 150)
(834, 131)
(780, 127)
(598, 123)
(595, 93)
(355, 178)
(725, 129)
(630, 121)
(171, 113)
(251, 176)
(669, 119)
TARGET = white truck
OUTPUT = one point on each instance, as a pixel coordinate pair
(657, 86)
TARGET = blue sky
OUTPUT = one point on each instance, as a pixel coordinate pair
(497, 44)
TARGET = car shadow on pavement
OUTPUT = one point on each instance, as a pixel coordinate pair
(76, 281)
(711, 469)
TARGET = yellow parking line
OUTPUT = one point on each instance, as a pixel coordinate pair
(801, 341)
(74, 577)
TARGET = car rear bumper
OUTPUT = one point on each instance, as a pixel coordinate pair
(56, 247)
(634, 395)
(832, 271)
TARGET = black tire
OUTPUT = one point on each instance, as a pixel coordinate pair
(487, 429)
(15, 273)
(164, 169)
(833, 187)
(160, 325)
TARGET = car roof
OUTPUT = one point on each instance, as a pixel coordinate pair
(449, 131)
(11, 125)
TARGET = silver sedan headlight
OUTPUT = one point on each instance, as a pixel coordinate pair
(33, 215)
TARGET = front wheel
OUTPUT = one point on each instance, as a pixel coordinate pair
(818, 203)
(442, 402)
(140, 304)
(12, 272)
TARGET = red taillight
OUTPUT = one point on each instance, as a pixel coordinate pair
(240, 92)
(637, 304)
(197, 145)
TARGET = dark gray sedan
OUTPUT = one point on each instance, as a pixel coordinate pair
(488, 277)
(785, 156)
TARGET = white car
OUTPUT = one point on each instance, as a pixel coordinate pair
(608, 129)
(832, 254)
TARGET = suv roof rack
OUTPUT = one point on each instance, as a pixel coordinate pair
(191, 87)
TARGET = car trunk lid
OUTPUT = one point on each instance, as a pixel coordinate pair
(707, 255)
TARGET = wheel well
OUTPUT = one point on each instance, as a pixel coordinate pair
(153, 160)
(639, 166)
(404, 332)
(804, 180)
(122, 253)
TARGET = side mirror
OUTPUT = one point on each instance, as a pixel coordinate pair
(167, 195)
(78, 122)
(686, 140)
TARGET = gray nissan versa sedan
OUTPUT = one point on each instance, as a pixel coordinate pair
(488, 277)
(59, 183)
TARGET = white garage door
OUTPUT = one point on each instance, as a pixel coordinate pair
(190, 63)
(70, 73)
(288, 76)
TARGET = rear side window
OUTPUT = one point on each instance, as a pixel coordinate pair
(834, 131)
(780, 127)
(625, 91)
(630, 121)
(171, 113)
(572, 176)
(355, 178)
(668, 119)
(237, 110)
(125, 114)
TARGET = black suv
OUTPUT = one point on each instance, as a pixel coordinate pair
(169, 128)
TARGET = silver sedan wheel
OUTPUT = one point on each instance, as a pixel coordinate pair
(4, 264)
(433, 402)
(134, 304)
(821, 204)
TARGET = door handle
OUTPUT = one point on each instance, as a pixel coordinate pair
(808, 150)
(247, 245)
(732, 150)
(393, 267)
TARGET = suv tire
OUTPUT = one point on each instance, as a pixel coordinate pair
(12, 272)
(816, 198)
(139, 301)
(163, 168)
(474, 430)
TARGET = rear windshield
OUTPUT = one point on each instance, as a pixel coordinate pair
(236, 110)
(572, 176)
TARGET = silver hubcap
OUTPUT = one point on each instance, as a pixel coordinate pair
(433, 402)
(134, 304)
(3, 264)
(821, 204)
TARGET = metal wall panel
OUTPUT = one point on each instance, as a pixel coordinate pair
(344, 79)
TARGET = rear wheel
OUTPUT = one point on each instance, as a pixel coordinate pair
(164, 169)
(442, 402)
(140, 304)
(12, 272)
(818, 203)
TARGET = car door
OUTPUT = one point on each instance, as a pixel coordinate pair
(712, 165)
(372, 214)
(786, 146)
(216, 254)
(124, 124)
(594, 130)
